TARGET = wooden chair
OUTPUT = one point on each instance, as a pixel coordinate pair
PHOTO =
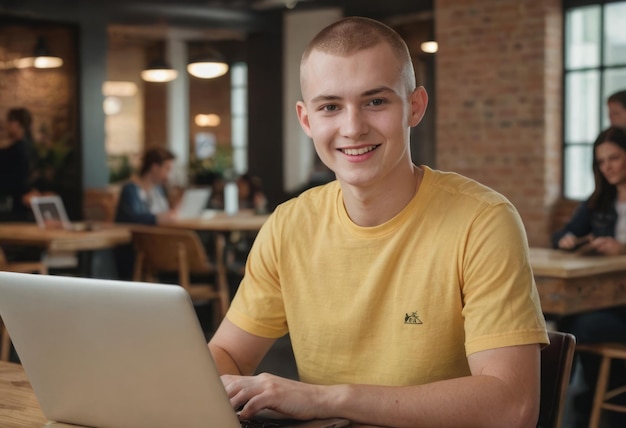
(100, 204)
(163, 250)
(556, 367)
(607, 352)
(21, 267)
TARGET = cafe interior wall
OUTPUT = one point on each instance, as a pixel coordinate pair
(124, 125)
(51, 97)
(499, 101)
(141, 119)
(205, 96)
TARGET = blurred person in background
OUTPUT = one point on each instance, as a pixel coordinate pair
(616, 104)
(16, 166)
(599, 227)
(143, 200)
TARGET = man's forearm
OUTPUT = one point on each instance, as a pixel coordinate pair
(223, 361)
(473, 401)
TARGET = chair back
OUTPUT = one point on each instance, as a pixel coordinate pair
(167, 250)
(556, 367)
(3, 259)
(159, 249)
(100, 204)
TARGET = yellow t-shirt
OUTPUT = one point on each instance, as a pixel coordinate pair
(402, 303)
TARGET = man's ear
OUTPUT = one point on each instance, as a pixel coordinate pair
(303, 118)
(419, 102)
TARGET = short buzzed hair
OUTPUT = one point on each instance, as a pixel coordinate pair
(355, 33)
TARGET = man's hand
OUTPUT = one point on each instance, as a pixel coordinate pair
(290, 398)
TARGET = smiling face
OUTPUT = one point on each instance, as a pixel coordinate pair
(358, 109)
(611, 160)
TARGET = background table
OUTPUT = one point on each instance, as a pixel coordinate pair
(245, 220)
(103, 236)
(84, 242)
(569, 283)
(222, 226)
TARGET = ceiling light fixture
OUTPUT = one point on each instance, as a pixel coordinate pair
(159, 71)
(207, 120)
(119, 89)
(208, 66)
(430, 47)
(41, 57)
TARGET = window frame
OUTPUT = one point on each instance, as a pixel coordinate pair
(601, 70)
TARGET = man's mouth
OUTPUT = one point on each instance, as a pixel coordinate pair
(360, 150)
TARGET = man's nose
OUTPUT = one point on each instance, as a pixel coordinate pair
(354, 124)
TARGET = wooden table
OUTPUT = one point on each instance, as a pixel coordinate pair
(18, 405)
(569, 283)
(244, 220)
(221, 225)
(29, 234)
(83, 242)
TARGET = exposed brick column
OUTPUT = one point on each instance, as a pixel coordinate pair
(498, 95)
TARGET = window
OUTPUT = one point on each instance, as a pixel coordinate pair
(595, 67)
(239, 112)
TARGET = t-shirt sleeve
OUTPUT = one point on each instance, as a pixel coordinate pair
(258, 306)
(501, 305)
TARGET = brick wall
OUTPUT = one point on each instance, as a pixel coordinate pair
(49, 94)
(498, 95)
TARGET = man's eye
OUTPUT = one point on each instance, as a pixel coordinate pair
(377, 102)
(329, 107)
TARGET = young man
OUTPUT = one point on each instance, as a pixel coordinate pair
(616, 104)
(406, 291)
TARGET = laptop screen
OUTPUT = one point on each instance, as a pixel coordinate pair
(50, 212)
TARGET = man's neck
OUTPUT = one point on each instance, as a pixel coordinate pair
(374, 206)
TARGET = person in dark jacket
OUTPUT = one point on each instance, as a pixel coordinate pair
(600, 224)
(16, 165)
(143, 200)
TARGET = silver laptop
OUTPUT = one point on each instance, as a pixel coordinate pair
(106, 353)
(50, 212)
(194, 201)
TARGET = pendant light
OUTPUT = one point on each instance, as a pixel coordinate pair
(208, 66)
(430, 47)
(41, 57)
(159, 71)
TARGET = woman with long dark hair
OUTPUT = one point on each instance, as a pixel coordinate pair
(600, 224)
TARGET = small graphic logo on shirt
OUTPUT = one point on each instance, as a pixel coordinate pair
(412, 318)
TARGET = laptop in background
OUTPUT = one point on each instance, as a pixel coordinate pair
(116, 354)
(193, 202)
(50, 212)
